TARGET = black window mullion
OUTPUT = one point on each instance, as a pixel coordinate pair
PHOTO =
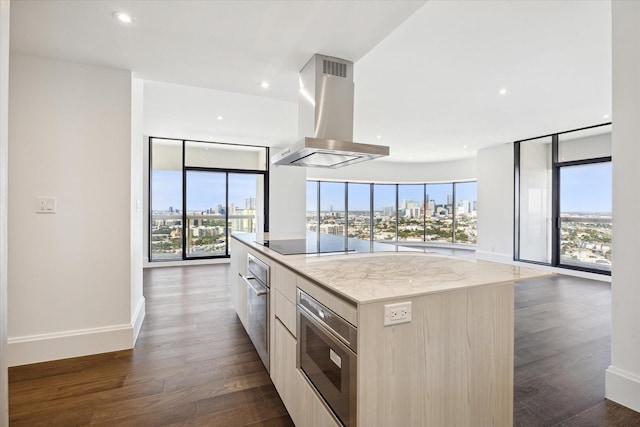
(555, 203)
(453, 212)
(346, 216)
(184, 202)
(226, 215)
(371, 192)
(397, 210)
(516, 201)
(423, 207)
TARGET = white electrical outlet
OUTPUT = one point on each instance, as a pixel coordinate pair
(397, 313)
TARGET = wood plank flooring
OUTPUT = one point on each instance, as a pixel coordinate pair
(194, 365)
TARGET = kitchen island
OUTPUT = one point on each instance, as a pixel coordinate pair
(450, 364)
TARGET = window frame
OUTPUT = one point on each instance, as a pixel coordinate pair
(317, 184)
(227, 171)
(555, 199)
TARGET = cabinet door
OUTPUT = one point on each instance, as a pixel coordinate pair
(284, 372)
(241, 308)
(311, 410)
(238, 265)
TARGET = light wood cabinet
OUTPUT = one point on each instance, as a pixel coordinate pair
(238, 267)
(285, 311)
(284, 280)
(311, 411)
(451, 365)
(284, 373)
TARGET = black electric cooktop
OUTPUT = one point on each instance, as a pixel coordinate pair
(306, 246)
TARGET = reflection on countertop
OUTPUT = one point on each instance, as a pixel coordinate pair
(381, 271)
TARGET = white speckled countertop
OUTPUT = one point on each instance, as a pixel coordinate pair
(368, 277)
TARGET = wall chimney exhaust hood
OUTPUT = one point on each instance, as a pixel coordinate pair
(325, 119)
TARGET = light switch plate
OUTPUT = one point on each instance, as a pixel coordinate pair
(46, 205)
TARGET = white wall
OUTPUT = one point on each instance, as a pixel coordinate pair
(381, 171)
(70, 273)
(623, 376)
(4, 140)
(495, 203)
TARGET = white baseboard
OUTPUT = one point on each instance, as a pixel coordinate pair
(138, 318)
(157, 264)
(62, 345)
(623, 387)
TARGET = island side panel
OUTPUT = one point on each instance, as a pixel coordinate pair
(451, 365)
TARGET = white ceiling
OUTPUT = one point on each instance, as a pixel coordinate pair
(427, 74)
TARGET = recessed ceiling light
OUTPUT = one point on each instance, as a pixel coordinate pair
(219, 117)
(210, 137)
(123, 17)
(502, 91)
(264, 85)
(465, 146)
(379, 136)
(606, 116)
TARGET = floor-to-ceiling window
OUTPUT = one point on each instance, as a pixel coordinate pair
(359, 214)
(166, 204)
(439, 212)
(332, 208)
(585, 215)
(384, 212)
(200, 193)
(466, 212)
(399, 213)
(411, 226)
(563, 200)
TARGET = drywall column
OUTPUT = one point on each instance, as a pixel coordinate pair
(4, 141)
(137, 216)
(70, 271)
(623, 376)
(495, 204)
(287, 199)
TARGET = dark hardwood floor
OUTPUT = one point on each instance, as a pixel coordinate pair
(194, 365)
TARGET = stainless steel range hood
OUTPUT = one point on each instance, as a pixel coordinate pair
(325, 119)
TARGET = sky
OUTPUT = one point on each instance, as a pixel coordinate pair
(204, 189)
(332, 194)
(583, 188)
(586, 188)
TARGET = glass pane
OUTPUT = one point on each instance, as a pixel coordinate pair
(359, 221)
(332, 209)
(535, 200)
(439, 212)
(411, 212)
(585, 213)
(585, 144)
(166, 200)
(243, 190)
(312, 206)
(225, 156)
(466, 212)
(206, 211)
(384, 212)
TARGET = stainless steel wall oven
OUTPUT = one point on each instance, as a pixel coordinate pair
(327, 356)
(257, 283)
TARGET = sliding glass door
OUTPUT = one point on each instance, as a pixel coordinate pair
(200, 193)
(585, 216)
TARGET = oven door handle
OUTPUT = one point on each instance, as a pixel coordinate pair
(259, 292)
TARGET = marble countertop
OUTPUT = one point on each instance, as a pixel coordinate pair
(368, 277)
